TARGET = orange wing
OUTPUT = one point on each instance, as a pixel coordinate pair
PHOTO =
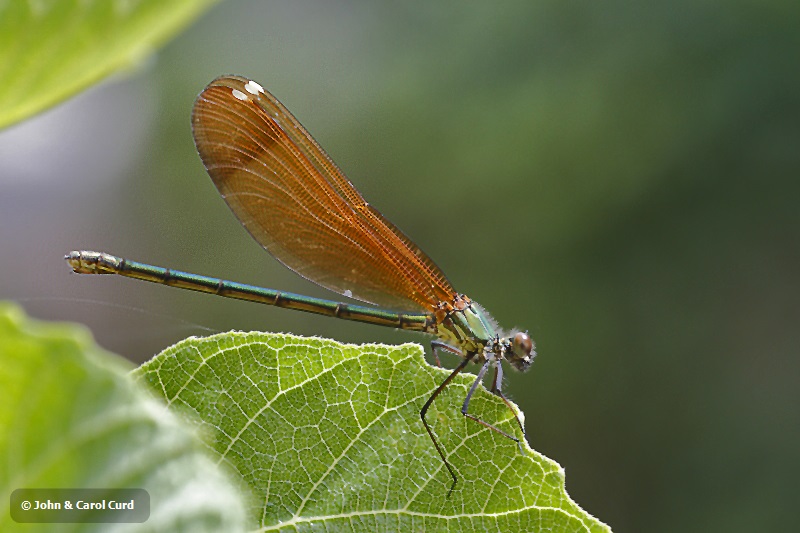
(299, 206)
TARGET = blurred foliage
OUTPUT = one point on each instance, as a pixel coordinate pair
(51, 49)
(72, 418)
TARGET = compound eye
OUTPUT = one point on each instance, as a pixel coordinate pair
(522, 345)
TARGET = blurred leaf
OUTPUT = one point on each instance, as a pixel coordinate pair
(51, 49)
(71, 417)
(328, 436)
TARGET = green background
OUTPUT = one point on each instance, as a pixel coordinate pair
(620, 179)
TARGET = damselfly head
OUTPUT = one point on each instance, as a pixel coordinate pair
(522, 351)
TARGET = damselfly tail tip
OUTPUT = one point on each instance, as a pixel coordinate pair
(86, 262)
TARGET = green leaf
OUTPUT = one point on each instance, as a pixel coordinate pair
(51, 49)
(328, 437)
(72, 417)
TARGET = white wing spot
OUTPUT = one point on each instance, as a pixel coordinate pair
(253, 88)
(239, 95)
